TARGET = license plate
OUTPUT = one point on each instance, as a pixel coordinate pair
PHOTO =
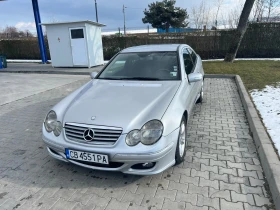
(86, 156)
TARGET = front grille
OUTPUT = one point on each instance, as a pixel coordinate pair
(102, 135)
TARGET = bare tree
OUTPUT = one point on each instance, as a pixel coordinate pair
(258, 10)
(235, 14)
(205, 10)
(201, 15)
(13, 32)
(240, 31)
(232, 18)
(271, 7)
(10, 32)
(218, 4)
(195, 16)
(223, 20)
(27, 33)
(265, 10)
(228, 18)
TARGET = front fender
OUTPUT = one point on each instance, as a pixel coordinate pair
(173, 115)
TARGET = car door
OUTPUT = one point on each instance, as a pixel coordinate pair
(78, 46)
(189, 87)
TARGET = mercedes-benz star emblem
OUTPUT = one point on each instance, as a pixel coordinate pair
(89, 134)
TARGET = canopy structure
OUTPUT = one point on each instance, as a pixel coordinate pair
(39, 31)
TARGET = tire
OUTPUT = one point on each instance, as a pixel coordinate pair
(200, 99)
(182, 138)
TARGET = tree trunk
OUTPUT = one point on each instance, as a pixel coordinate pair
(240, 31)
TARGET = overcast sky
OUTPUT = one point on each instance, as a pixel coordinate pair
(19, 12)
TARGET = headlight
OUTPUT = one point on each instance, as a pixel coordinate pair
(50, 121)
(133, 138)
(149, 134)
(52, 125)
(58, 128)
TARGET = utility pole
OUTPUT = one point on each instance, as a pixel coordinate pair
(124, 28)
(96, 14)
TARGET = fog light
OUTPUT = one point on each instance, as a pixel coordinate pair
(143, 166)
(148, 165)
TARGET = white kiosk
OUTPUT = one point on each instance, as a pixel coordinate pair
(75, 44)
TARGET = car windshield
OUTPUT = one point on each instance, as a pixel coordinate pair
(143, 66)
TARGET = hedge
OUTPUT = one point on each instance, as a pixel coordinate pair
(262, 40)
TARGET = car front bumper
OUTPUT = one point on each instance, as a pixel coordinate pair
(122, 157)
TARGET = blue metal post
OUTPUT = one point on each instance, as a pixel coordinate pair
(39, 31)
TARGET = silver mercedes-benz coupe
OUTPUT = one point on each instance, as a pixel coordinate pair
(132, 116)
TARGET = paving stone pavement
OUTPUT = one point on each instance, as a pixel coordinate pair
(221, 169)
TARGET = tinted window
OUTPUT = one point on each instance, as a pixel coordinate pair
(188, 61)
(77, 33)
(143, 66)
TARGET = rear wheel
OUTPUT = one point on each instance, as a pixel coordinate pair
(182, 142)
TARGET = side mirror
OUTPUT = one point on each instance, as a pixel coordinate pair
(93, 75)
(195, 77)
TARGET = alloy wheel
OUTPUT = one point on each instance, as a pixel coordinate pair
(182, 139)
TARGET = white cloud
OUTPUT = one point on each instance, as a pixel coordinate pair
(26, 26)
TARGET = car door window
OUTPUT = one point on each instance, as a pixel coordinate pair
(193, 55)
(189, 65)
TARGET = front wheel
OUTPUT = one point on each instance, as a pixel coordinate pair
(200, 99)
(181, 144)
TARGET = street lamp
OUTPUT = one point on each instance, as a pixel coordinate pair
(96, 14)
(124, 28)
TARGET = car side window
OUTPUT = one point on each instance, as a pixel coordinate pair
(187, 61)
(193, 55)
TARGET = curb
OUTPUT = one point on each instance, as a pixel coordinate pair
(224, 76)
(269, 159)
(246, 59)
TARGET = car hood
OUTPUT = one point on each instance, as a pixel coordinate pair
(125, 104)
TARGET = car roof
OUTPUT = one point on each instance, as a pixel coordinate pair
(153, 48)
